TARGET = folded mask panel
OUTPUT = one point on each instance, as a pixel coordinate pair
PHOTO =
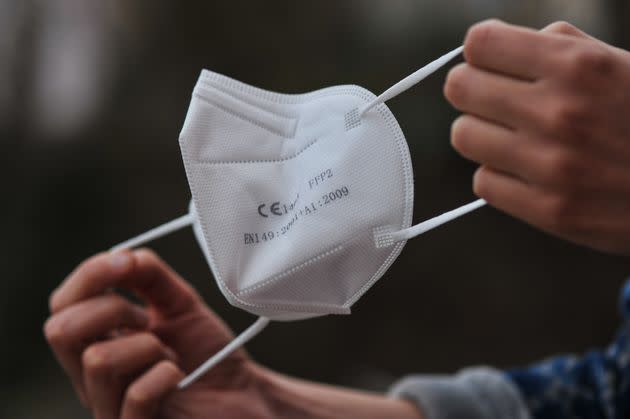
(288, 191)
(300, 203)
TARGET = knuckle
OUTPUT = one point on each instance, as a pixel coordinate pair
(137, 397)
(480, 34)
(456, 86)
(562, 27)
(92, 263)
(565, 169)
(149, 260)
(595, 59)
(169, 368)
(461, 133)
(151, 343)
(95, 360)
(567, 119)
(481, 186)
(149, 339)
(53, 302)
(147, 255)
(54, 331)
(589, 61)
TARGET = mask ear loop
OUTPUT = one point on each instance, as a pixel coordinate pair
(405, 234)
(249, 333)
(430, 224)
(398, 88)
(411, 80)
(157, 232)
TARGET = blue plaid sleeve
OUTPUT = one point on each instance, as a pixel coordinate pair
(594, 386)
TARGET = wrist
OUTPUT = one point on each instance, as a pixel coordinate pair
(291, 398)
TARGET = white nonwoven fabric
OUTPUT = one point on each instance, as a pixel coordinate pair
(300, 203)
(289, 191)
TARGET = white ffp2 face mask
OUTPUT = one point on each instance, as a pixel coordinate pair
(300, 203)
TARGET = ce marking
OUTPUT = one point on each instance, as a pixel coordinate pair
(273, 209)
(277, 208)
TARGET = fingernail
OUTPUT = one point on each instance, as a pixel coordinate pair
(120, 260)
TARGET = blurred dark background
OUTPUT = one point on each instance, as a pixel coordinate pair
(93, 94)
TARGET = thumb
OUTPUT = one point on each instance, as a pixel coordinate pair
(141, 271)
(157, 284)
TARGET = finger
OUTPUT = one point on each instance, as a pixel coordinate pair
(496, 146)
(85, 280)
(155, 282)
(515, 197)
(556, 213)
(491, 96)
(512, 50)
(109, 366)
(143, 397)
(72, 329)
(141, 271)
(565, 169)
(586, 219)
(565, 28)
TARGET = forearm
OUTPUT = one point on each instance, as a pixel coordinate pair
(294, 398)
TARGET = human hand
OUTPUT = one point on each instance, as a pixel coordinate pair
(546, 116)
(125, 360)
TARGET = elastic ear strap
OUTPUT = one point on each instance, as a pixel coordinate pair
(432, 223)
(157, 232)
(239, 341)
(411, 80)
